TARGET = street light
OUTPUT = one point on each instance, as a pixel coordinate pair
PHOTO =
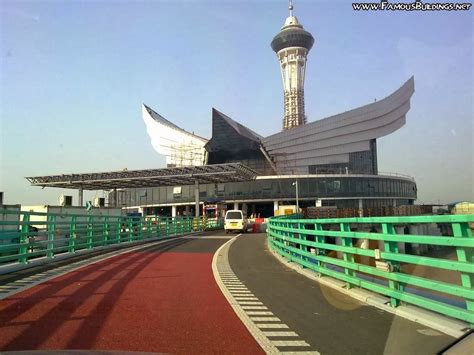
(297, 202)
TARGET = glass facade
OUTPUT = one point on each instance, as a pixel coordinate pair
(382, 189)
(364, 162)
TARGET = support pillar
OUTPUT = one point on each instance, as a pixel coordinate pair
(186, 210)
(173, 211)
(196, 198)
(115, 198)
(275, 208)
(236, 205)
(361, 208)
(81, 197)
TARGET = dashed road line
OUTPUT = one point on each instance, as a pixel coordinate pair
(272, 326)
(259, 313)
(253, 307)
(289, 343)
(267, 329)
(280, 334)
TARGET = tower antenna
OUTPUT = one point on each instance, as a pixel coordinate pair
(290, 7)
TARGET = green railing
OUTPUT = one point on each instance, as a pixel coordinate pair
(25, 236)
(376, 254)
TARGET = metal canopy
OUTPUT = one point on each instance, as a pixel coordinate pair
(218, 173)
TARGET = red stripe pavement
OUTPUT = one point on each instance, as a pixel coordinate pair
(140, 301)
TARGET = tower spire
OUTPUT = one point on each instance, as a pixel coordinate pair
(292, 45)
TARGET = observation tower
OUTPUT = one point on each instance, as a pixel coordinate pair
(292, 45)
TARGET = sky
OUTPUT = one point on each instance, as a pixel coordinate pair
(75, 73)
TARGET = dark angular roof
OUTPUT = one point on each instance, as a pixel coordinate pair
(229, 135)
(242, 130)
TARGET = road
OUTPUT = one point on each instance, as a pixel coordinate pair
(163, 298)
(329, 321)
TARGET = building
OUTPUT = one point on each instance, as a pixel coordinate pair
(333, 159)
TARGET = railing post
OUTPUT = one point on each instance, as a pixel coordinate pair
(158, 226)
(320, 239)
(106, 230)
(140, 229)
(119, 229)
(90, 232)
(302, 237)
(167, 231)
(23, 250)
(392, 247)
(465, 255)
(51, 228)
(130, 229)
(72, 235)
(349, 257)
(149, 228)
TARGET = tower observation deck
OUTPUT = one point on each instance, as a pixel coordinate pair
(292, 45)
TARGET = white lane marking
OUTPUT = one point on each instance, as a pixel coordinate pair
(253, 307)
(265, 319)
(282, 343)
(240, 298)
(259, 313)
(249, 312)
(272, 326)
(280, 334)
(299, 352)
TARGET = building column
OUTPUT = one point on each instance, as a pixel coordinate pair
(196, 198)
(186, 210)
(361, 208)
(236, 205)
(173, 211)
(115, 198)
(275, 208)
(81, 197)
(245, 209)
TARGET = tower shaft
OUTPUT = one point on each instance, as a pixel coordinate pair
(293, 65)
(292, 45)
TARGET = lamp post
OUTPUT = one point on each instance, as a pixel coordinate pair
(297, 202)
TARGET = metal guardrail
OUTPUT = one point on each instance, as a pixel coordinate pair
(330, 248)
(25, 236)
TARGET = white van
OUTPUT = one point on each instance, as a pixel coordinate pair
(235, 221)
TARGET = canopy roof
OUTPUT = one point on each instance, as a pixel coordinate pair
(218, 173)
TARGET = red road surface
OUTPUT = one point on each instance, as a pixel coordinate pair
(140, 301)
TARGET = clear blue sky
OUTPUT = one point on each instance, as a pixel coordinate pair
(74, 74)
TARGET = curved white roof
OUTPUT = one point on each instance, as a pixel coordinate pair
(180, 147)
(331, 139)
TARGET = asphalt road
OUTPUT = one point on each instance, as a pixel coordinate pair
(160, 299)
(331, 322)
